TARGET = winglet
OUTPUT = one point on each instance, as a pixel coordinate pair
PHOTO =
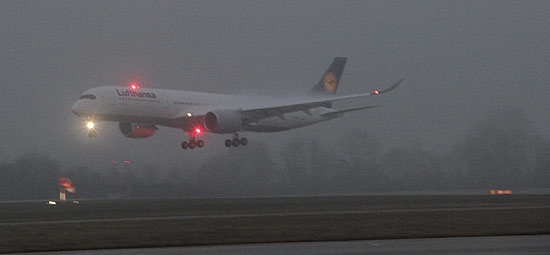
(377, 92)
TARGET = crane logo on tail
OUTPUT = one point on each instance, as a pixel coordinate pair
(330, 82)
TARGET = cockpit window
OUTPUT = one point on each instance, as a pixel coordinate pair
(89, 96)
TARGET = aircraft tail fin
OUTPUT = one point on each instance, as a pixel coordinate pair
(330, 80)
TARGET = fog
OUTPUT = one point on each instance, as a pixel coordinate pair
(498, 152)
(471, 113)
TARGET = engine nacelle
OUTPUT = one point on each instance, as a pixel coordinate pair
(223, 121)
(136, 130)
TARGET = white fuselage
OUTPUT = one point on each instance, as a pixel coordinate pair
(177, 109)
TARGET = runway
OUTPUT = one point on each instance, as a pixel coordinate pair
(146, 223)
(226, 216)
(511, 245)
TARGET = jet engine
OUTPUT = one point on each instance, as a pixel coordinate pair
(132, 130)
(223, 121)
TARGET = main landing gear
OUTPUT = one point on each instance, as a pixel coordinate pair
(192, 144)
(236, 141)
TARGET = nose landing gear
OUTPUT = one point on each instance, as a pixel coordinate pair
(236, 141)
(92, 133)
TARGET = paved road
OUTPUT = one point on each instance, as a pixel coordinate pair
(126, 223)
(40, 211)
(537, 244)
(252, 215)
(28, 213)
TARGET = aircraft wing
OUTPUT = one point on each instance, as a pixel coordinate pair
(348, 110)
(279, 108)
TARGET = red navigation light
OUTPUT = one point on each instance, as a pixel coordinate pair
(127, 162)
(134, 86)
(114, 161)
(198, 130)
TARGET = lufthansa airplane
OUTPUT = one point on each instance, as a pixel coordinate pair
(140, 110)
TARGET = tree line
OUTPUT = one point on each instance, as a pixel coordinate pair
(500, 151)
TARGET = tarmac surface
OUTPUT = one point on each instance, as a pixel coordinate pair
(510, 245)
(145, 223)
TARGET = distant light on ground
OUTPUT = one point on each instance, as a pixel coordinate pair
(501, 192)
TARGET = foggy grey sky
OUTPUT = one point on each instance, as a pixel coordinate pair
(459, 59)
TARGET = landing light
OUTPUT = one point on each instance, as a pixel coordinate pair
(376, 92)
(189, 114)
(90, 125)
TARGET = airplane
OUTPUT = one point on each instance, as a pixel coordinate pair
(139, 111)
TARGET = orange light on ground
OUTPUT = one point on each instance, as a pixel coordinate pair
(501, 192)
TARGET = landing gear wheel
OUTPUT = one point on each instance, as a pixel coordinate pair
(185, 145)
(236, 142)
(192, 144)
(200, 143)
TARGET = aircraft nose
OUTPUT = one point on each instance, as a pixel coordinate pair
(77, 108)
